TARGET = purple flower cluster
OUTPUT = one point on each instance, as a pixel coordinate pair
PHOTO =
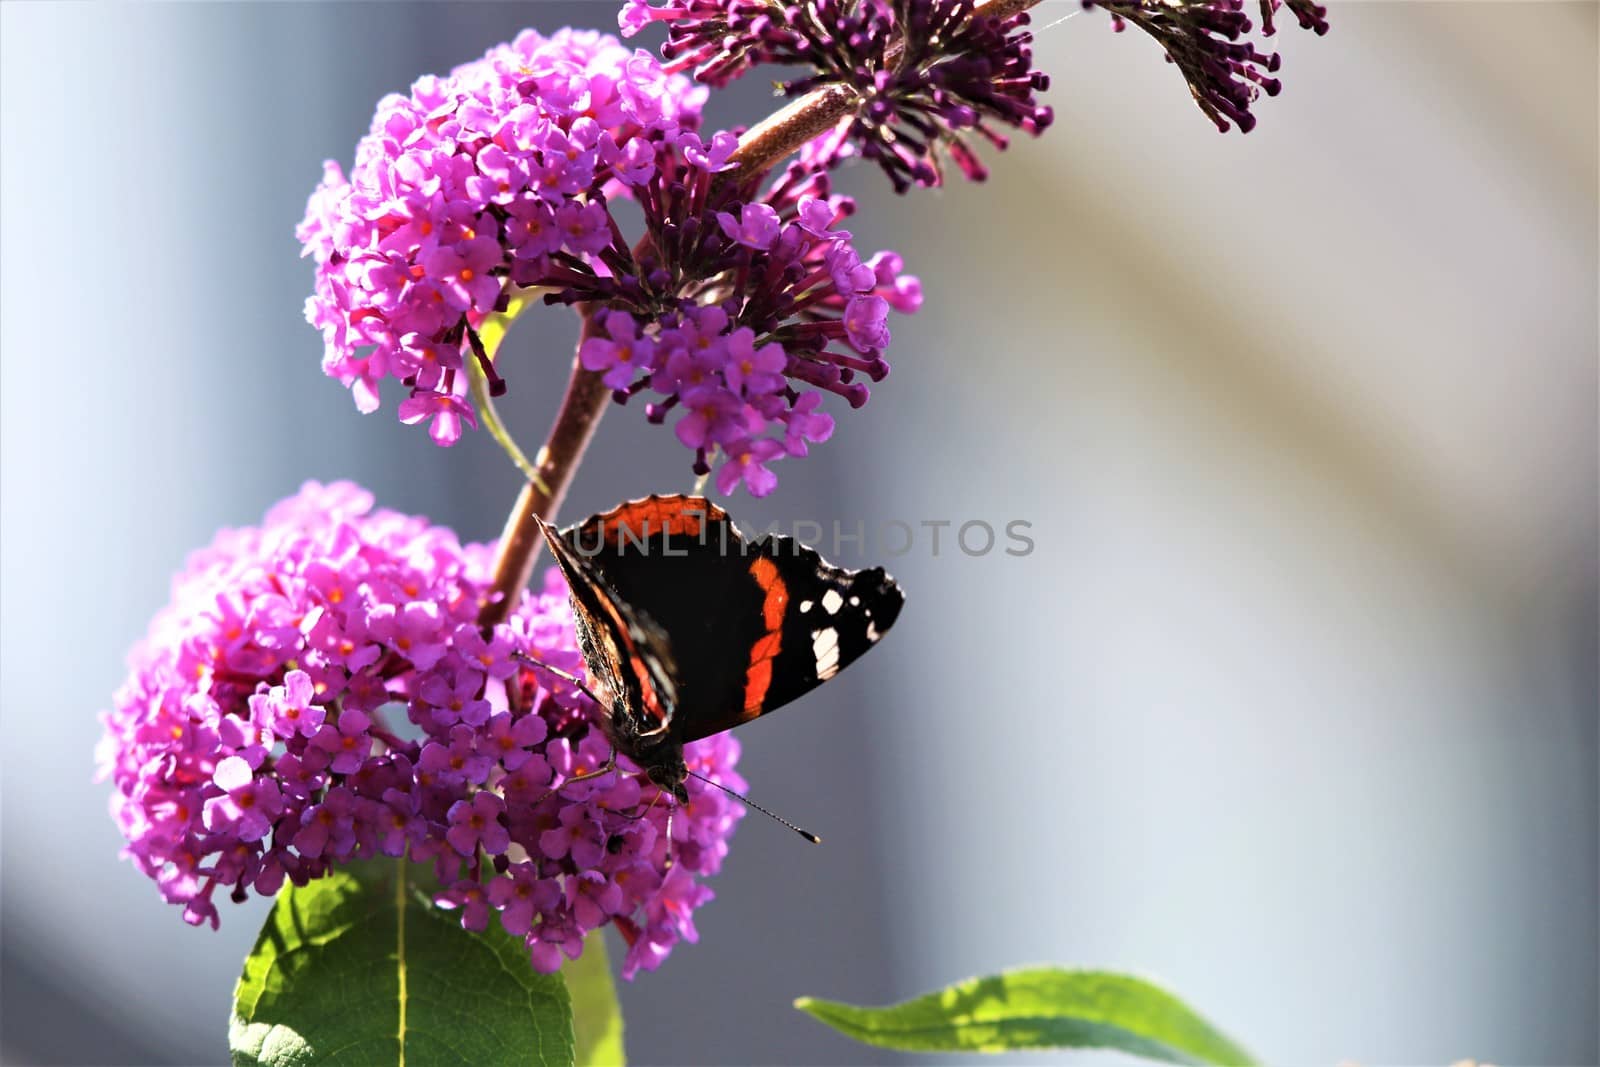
(739, 310)
(318, 691)
(500, 167)
(921, 71)
(1202, 38)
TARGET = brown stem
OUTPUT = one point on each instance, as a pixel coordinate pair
(1003, 9)
(587, 397)
(785, 131)
(585, 401)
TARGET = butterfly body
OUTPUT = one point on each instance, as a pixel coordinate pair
(689, 629)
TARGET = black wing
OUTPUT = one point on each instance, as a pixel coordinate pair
(751, 626)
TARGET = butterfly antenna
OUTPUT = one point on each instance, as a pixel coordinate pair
(747, 802)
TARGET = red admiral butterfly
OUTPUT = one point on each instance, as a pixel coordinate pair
(688, 629)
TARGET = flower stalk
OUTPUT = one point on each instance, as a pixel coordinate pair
(489, 338)
(586, 399)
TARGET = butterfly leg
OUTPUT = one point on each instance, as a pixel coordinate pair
(601, 771)
(648, 808)
(566, 676)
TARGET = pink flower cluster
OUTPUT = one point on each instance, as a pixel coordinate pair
(503, 166)
(318, 691)
(738, 305)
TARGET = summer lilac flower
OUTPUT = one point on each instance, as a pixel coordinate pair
(444, 765)
(713, 415)
(902, 291)
(329, 828)
(453, 699)
(510, 739)
(521, 896)
(472, 899)
(755, 371)
(346, 746)
(492, 656)
(866, 323)
(816, 216)
(399, 823)
(443, 412)
(287, 709)
(922, 73)
(478, 822)
(747, 460)
(247, 807)
(807, 424)
(741, 302)
(756, 227)
(506, 160)
(1202, 39)
(577, 835)
(620, 354)
(253, 742)
(411, 629)
(593, 898)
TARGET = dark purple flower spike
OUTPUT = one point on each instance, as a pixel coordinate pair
(1226, 74)
(923, 74)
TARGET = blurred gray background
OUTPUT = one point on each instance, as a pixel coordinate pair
(1293, 707)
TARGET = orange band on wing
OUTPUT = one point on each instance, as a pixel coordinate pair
(775, 604)
(641, 519)
(757, 680)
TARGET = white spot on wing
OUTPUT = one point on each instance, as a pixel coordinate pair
(825, 648)
(805, 606)
(832, 601)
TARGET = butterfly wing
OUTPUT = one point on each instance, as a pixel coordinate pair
(817, 620)
(753, 625)
(627, 653)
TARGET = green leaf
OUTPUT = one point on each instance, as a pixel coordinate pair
(596, 1016)
(361, 968)
(1038, 1008)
